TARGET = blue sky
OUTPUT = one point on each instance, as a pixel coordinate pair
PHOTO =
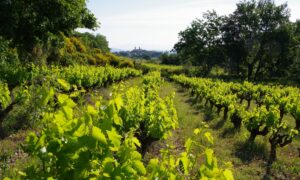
(155, 24)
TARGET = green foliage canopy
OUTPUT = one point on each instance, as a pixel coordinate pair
(94, 41)
(256, 41)
(28, 23)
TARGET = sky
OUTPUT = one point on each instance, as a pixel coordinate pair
(155, 24)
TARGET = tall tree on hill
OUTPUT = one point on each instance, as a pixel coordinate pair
(94, 41)
(251, 35)
(256, 41)
(200, 43)
(294, 49)
(29, 23)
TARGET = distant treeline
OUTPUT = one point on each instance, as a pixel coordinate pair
(256, 41)
(140, 54)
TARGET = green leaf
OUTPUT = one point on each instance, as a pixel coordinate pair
(188, 144)
(64, 100)
(136, 141)
(115, 139)
(68, 112)
(228, 174)
(91, 110)
(184, 162)
(209, 137)
(118, 102)
(197, 131)
(21, 173)
(129, 170)
(63, 84)
(117, 120)
(139, 166)
(153, 163)
(46, 94)
(136, 155)
(209, 156)
(98, 135)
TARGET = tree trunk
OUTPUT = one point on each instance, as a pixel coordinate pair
(268, 107)
(298, 124)
(2, 131)
(236, 120)
(297, 121)
(273, 154)
(258, 58)
(3, 115)
(225, 112)
(252, 136)
(248, 104)
(238, 68)
(192, 92)
(144, 139)
(259, 103)
(199, 99)
(281, 114)
(241, 101)
(255, 132)
(211, 104)
(257, 70)
(250, 71)
(206, 101)
(218, 109)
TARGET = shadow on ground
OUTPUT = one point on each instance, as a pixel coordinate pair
(249, 151)
(229, 132)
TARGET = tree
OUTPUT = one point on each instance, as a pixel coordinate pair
(201, 42)
(256, 41)
(295, 51)
(169, 58)
(251, 33)
(94, 41)
(29, 23)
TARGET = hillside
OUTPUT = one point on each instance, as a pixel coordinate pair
(139, 53)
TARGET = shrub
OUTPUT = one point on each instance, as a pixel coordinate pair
(113, 59)
(101, 59)
(91, 60)
(69, 46)
(78, 45)
(127, 63)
